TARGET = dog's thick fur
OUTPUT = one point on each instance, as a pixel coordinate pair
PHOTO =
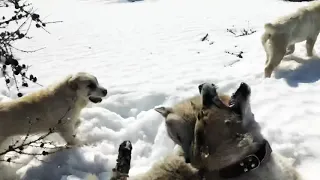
(280, 36)
(180, 121)
(57, 107)
(172, 167)
(229, 134)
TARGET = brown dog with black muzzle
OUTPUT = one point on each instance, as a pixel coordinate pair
(228, 143)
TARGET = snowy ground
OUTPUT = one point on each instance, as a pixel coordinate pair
(149, 53)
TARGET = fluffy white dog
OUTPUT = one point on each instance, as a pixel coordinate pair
(56, 108)
(280, 36)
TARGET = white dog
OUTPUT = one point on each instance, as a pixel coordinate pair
(280, 36)
(56, 108)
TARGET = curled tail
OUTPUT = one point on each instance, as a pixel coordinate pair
(264, 38)
(269, 30)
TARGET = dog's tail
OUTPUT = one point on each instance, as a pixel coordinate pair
(270, 28)
(265, 37)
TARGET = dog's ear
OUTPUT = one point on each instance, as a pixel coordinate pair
(164, 111)
(72, 83)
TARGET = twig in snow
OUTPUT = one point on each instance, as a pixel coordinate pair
(239, 54)
(205, 37)
(243, 31)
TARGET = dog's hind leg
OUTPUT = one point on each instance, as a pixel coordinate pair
(277, 52)
(264, 38)
(68, 134)
(310, 44)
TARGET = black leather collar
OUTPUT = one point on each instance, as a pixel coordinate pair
(249, 163)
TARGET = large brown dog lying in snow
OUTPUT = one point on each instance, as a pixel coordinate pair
(57, 106)
(227, 144)
(280, 36)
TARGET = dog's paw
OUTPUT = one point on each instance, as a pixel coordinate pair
(116, 175)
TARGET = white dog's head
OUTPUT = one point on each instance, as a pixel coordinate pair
(87, 87)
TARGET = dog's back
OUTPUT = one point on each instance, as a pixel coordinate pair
(299, 24)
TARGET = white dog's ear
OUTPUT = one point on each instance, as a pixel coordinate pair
(73, 83)
(164, 111)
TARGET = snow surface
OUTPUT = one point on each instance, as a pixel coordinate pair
(148, 54)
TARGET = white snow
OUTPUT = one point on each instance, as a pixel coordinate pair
(148, 54)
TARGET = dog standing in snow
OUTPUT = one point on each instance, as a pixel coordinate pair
(280, 36)
(56, 107)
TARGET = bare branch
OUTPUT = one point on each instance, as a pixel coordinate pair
(23, 15)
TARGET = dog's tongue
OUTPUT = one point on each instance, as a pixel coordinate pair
(95, 99)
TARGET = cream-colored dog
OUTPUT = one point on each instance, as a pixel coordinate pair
(280, 36)
(56, 108)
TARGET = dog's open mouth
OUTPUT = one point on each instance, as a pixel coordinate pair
(241, 94)
(95, 99)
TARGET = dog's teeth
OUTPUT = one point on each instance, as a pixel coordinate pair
(245, 170)
(241, 164)
(250, 159)
(253, 165)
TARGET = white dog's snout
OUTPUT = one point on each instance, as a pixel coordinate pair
(103, 91)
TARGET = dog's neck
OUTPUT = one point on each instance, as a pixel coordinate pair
(250, 162)
(64, 90)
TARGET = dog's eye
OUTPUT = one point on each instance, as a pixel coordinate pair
(92, 86)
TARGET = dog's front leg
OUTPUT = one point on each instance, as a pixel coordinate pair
(67, 132)
(77, 123)
(310, 44)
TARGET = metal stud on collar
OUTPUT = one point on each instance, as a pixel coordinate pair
(250, 166)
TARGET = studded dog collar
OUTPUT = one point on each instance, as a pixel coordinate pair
(249, 163)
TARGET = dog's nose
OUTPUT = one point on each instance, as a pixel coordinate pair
(105, 92)
(200, 87)
(187, 160)
(244, 89)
